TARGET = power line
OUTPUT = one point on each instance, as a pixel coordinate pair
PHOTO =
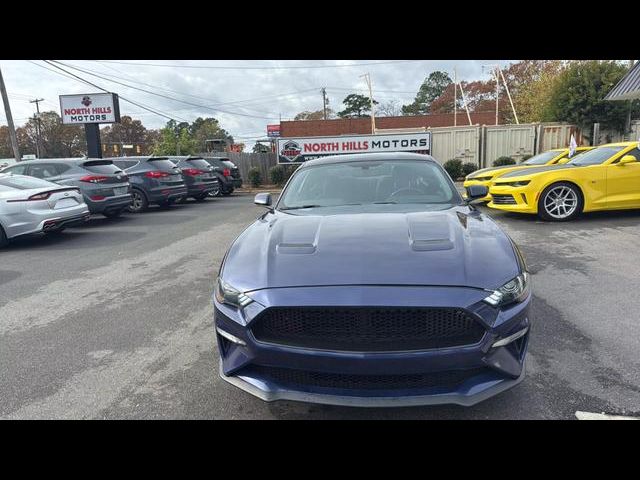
(166, 96)
(215, 67)
(75, 77)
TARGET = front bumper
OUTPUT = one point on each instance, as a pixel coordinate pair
(485, 183)
(498, 368)
(525, 199)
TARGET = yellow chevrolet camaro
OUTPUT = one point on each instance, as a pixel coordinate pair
(605, 178)
(485, 176)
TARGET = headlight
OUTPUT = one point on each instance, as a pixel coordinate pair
(515, 290)
(516, 184)
(225, 293)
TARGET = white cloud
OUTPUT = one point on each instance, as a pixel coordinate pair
(252, 92)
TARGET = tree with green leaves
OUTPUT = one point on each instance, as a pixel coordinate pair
(432, 87)
(356, 106)
(261, 148)
(577, 96)
(317, 115)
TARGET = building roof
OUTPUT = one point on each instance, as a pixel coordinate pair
(362, 126)
(629, 87)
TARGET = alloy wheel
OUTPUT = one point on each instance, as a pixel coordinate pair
(561, 202)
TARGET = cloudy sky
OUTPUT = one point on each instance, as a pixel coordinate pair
(243, 95)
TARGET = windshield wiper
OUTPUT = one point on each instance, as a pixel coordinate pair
(385, 203)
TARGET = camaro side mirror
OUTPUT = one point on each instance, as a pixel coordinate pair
(263, 199)
(474, 192)
(562, 161)
(627, 159)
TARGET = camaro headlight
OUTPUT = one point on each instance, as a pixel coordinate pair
(522, 183)
(515, 290)
(225, 293)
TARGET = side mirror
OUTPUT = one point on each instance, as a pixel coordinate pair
(562, 161)
(263, 199)
(627, 159)
(474, 192)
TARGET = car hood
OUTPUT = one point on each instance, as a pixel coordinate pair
(455, 247)
(493, 170)
(537, 170)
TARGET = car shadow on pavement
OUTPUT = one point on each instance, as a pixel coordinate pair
(612, 218)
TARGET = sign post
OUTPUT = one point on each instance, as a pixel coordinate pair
(90, 110)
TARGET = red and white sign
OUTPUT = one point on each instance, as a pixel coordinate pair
(302, 149)
(89, 108)
(273, 130)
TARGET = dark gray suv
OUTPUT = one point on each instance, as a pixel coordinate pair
(153, 180)
(227, 172)
(104, 186)
(199, 177)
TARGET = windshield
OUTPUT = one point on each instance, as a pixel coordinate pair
(367, 183)
(542, 158)
(596, 156)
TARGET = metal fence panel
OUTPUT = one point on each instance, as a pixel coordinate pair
(246, 160)
(558, 135)
(513, 141)
(462, 143)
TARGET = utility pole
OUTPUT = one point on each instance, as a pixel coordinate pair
(7, 113)
(455, 98)
(367, 78)
(38, 124)
(324, 102)
(495, 72)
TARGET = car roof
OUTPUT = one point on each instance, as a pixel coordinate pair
(369, 157)
(619, 144)
(54, 160)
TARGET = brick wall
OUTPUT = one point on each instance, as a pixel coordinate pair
(346, 126)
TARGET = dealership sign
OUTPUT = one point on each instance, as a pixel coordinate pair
(90, 108)
(273, 130)
(296, 150)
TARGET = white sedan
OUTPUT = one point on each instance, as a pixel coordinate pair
(30, 205)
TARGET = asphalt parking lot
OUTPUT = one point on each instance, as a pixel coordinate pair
(114, 320)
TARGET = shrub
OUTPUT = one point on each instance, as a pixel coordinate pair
(288, 171)
(502, 161)
(453, 168)
(255, 177)
(525, 158)
(277, 175)
(468, 168)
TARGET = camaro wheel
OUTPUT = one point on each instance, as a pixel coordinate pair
(139, 201)
(560, 202)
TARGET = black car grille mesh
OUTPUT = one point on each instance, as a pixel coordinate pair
(503, 199)
(367, 329)
(287, 376)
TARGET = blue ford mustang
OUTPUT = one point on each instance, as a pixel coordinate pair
(371, 282)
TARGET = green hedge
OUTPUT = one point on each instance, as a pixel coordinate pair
(453, 168)
(502, 161)
(469, 168)
(255, 177)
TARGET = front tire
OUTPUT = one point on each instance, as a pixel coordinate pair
(560, 202)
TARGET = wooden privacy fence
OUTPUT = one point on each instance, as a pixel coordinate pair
(245, 160)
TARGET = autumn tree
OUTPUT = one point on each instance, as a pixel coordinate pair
(356, 106)
(317, 115)
(261, 148)
(56, 140)
(389, 108)
(432, 88)
(6, 150)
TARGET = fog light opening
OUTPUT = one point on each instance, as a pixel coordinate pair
(231, 338)
(511, 338)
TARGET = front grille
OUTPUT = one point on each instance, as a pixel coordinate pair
(367, 329)
(298, 378)
(501, 199)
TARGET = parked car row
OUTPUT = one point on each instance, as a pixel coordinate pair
(606, 177)
(48, 195)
